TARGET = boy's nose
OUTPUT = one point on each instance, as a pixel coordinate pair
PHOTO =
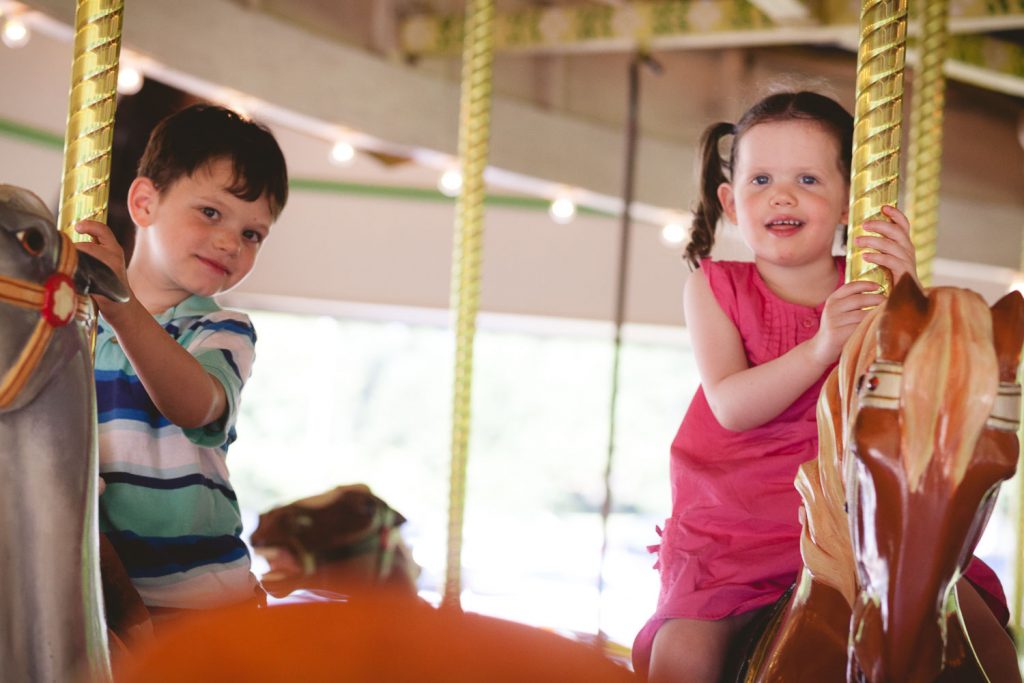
(227, 242)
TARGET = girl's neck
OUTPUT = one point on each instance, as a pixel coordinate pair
(808, 284)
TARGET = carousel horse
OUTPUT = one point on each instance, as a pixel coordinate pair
(926, 401)
(51, 618)
(345, 540)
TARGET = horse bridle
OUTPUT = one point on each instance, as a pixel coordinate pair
(880, 388)
(57, 303)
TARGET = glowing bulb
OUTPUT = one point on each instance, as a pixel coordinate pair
(673, 234)
(562, 210)
(129, 80)
(342, 153)
(15, 33)
(450, 182)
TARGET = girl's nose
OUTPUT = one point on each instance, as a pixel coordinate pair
(783, 197)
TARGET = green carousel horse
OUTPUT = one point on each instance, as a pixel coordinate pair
(917, 428)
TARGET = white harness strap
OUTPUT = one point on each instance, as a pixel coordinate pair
(880, 388)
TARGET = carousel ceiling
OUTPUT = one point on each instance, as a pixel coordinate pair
(390, 69)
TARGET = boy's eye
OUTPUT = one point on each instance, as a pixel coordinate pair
(760, 180)
(808, 180)
(210, 212)
(253, 236)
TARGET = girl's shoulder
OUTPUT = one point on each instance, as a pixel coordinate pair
(728, 275)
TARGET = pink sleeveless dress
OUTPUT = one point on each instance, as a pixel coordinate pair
(732, 544)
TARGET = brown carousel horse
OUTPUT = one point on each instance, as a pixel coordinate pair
(926, 401)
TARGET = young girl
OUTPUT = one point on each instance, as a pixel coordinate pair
(765, 334)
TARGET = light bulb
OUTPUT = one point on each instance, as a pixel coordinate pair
(342, 153)
(562, 210)
(450, 183)
(129, 80)
(15, 33)
(673, 234)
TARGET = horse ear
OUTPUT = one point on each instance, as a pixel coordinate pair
(905, 314)
(1008, 334)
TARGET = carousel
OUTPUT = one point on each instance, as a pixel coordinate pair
(918, 428)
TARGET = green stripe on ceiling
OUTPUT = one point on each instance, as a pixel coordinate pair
(20, 131)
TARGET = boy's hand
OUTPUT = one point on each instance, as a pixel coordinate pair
(844, 309)
(894, 249)
(105, 248)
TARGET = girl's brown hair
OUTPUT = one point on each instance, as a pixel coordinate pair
(714, 170)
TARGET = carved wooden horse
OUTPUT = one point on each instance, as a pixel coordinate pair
(51, 623)
(926, 402)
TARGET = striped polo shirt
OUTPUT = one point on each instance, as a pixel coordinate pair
(169, 508)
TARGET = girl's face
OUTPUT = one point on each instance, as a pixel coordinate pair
(788, 193)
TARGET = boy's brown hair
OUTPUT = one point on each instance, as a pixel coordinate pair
(197, 135)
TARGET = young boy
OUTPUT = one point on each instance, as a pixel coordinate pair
(170, 363)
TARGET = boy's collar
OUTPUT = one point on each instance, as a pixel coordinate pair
(193, 305)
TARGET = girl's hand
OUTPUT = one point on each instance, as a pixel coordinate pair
(894, 249)
(105, 248)
(844, 309)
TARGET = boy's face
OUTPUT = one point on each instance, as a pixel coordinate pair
(195, 237)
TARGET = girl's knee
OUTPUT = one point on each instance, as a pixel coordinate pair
(689, 650)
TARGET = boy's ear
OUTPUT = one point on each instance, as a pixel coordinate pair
(142, 200)
(728, 201)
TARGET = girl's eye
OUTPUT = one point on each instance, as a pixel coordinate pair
(31, 241)
(808, 180)
(760, 180)
(253, 236)
(210, 212)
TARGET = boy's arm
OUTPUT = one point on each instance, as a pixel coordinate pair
(178, 385)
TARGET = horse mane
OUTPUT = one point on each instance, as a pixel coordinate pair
(952, 358)
(825, 540)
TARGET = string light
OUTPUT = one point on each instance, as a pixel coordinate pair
(450, 182)
(129, 79)
(562, 210)
(673, 234)
(343, 153)
(14, 34)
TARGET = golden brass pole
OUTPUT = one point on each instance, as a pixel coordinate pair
(924, 163)
(87, 142)
(474, 134)
(877, 125)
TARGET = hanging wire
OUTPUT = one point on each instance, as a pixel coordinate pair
(474, 131)
(924, 164)
(877, 125)
(621, 288)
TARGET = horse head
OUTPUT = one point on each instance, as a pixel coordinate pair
(43, 283)
(933, 434)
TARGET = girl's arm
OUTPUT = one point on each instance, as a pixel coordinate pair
(743, 397)
(178, 385)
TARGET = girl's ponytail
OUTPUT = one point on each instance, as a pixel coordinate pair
(709, 209)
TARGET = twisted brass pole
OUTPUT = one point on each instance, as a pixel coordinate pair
(85, 188)
(474, 132)
(87, 142)
(924, 163)
(877, 125)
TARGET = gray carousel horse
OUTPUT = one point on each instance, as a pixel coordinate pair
(51, 618)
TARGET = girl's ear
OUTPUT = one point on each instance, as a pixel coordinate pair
(727, 199)
(142, 199)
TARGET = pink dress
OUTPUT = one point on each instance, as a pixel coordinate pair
(732, 543)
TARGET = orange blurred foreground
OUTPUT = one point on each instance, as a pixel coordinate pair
(381, 638)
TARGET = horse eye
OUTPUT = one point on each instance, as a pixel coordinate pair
(31, 241)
